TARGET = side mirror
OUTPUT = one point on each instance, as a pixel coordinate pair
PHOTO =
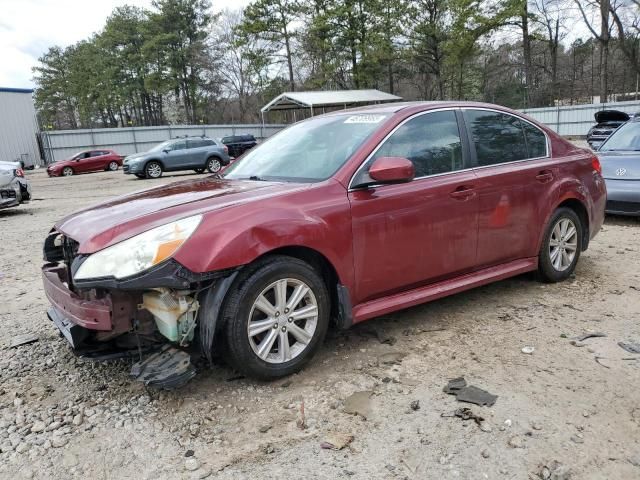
(392, 170)
(165, 150)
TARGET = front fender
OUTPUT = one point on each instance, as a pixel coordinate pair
(317, 218)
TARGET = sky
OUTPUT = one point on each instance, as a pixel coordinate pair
(29, 27)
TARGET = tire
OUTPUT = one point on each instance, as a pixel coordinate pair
(214, 164)
(67, 172)
(199, 170)
(153, 169)
(113, 166)
(564, 235)
(240, 309)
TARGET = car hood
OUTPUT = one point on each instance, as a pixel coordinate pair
(610, 116)
(102, 225)
(620, 165)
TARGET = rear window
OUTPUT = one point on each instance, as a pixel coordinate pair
(627, 137)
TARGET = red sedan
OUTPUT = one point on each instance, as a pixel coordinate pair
(84, 162)
(333, 221)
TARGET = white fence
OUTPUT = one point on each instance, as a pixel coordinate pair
(61, 144)
(576, 120)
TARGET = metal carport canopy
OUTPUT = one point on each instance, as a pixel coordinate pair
(331, 98)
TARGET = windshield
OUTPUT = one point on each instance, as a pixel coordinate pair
(162, 146)
(627, 137)
(308, 151)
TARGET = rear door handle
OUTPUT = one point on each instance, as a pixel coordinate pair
(544, 176)
(462, 193)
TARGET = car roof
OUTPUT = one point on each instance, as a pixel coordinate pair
(396, 107)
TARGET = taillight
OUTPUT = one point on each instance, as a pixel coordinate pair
(19, 172)
(595, 164)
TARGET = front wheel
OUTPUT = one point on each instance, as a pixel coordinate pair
(214, 165)
(153, 170)
(561, 246)
(275, 317)
(113, 166)
(67, 171)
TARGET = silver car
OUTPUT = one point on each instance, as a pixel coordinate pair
(14, 187)
(185, 153)
(620, 159)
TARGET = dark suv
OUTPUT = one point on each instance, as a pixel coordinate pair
(182, 153)
(238, 144)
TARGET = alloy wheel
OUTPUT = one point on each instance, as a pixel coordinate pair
(283, 320)
(154, 170)
(67, 171)
(214, 165)
(563, 244)
(113, 166)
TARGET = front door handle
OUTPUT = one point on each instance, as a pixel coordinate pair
(462, 193)
(544, 176)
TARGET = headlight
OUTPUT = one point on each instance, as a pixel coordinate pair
(138, 253)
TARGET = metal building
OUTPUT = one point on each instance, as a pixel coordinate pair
(18, 127)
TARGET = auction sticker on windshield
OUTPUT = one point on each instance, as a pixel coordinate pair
(365, 119)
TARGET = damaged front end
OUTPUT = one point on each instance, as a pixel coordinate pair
(160, 317)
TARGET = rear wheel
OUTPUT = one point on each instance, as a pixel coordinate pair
(67, 171)
(276, 317)
(153, 170)
(113, 166)
(561, 246)
(214, 165)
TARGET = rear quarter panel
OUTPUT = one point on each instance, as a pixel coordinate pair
(576, 179)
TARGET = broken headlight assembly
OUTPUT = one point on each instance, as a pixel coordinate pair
(138, 253)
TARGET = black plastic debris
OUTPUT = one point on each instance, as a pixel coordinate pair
(631, 347)
(465, 414)
(469, 393)
(582, 338)
(168, 368)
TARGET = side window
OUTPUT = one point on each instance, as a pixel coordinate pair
(209, 143)
(536, 140)
(498, 137)
(181, 145)
(196, 143)
(431, 141)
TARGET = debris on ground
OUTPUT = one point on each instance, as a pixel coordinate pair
(465, 414)
(598, 361)
(516, 441)
(469, 393)
(554, 471)
(415, 405)
(391, 358)
(336, 441)
(359, 403)
(527, 350)
(630, 346)
(24, 339)
(301, 422)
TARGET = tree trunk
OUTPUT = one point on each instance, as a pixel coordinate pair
(604, 49)
(526, 50)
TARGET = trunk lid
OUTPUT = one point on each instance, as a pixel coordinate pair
(610, 116)
(620, 165)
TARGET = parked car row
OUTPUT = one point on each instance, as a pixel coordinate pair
(178, 154)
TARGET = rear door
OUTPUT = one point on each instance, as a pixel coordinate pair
(197, 148)
(515, 177)
(96, 161)
(409, 234)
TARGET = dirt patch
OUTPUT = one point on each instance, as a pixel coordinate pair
(557, 409)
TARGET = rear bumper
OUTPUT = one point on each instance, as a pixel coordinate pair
(623, 197)
(89, 314)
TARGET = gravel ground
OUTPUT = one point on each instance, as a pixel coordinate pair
(563, 411)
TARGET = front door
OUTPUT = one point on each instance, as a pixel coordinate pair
(177, 157)
(515, 174)
(406, 235)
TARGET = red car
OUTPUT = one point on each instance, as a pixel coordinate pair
(87, 161)
(333, 221)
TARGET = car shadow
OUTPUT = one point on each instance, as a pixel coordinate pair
(621, 220)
